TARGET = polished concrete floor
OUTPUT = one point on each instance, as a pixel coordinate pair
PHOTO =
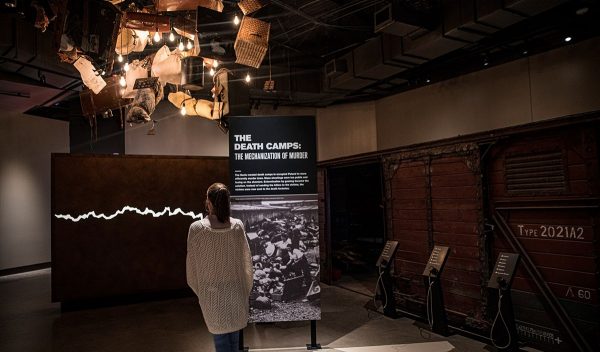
(30, 322)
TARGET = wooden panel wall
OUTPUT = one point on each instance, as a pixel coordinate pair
(130, 254)
(435, 199)
(556, 225)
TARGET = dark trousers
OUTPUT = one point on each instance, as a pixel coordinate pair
(227, 342)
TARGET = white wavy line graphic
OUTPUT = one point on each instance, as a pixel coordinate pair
(128, 208)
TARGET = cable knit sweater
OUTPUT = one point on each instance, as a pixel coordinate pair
(219, 270)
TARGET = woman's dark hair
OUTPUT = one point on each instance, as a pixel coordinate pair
(218, 196)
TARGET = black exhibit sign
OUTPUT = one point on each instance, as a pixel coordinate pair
(274, 193)
(436, 261)
(272, 155)
(505, 268)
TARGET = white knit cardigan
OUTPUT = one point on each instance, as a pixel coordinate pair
(219, 270)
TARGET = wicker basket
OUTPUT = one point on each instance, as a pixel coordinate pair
(249, 6)
(252, 42)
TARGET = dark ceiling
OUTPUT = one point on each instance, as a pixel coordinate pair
(324, 52)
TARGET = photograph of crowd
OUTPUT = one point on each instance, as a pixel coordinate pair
(284, 241)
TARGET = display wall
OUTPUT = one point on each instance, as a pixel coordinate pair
(135, 240)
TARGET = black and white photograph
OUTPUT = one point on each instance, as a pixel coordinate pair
(283, 236)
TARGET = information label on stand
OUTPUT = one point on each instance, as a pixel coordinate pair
(436, 261)
(272, 161)
(505, 267)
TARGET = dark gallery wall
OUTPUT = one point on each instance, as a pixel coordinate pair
(553, 84)
(26, 143)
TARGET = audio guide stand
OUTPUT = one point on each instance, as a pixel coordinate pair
(435, 309)
(503, 333)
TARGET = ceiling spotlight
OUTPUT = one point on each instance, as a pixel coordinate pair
(171, 37)
(120, 58)
(236, 20)
(427, 80)
(190, 45)
(525, 52)
(122, 81)
(157, 37)
(247, 78)
(182, 110)
(126, 67)
(568, 39)
(212, 71)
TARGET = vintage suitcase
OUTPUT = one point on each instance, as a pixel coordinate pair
(187, 5)
(109, 98)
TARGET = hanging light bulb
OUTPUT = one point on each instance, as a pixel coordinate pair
(215, 63)
(171, 37)
(212, 71)
(247, 78)
(126, 67)
(190, 45)
(236, 20)
(157, 37)
(182, 110)
(120, 58)
(180, 46)
(122, 81)
(122, 91)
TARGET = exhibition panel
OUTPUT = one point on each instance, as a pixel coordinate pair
(274, 192)
(120, 223)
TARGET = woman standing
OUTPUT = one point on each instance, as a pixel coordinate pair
(219, 269)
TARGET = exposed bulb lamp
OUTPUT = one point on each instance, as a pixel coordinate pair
(182, 110)
(212, 71)
(215, 64)
(120, 58)
(180, 46)
(190, 45)
(122, 81)
(126, 67)
(156, 37)
(247, 78)
(171, 37)
(236, 20)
